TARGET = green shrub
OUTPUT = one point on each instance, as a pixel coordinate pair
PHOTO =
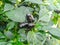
(29, 22)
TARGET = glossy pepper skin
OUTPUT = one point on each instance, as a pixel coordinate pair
(23, 25)
(29, 18)
(29, 24)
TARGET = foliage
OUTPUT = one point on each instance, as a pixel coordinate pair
(46, 30)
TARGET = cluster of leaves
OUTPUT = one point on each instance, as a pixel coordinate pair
(47, 22)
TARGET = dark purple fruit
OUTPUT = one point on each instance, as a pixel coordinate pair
(31, 25)
(23, 25)
(30, 18)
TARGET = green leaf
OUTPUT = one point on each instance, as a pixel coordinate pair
(14, 1)
(38, 26)
(10, 25)
(1, 35)
(52, 7)
(44, 14)
(34, 1)
(48, 42)
(9, 34)
(2, 43)
(22, 34)
(9, 43)
(18, 14)
(34, 38)
(8, 7)
(55, 32)
(19, 43)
